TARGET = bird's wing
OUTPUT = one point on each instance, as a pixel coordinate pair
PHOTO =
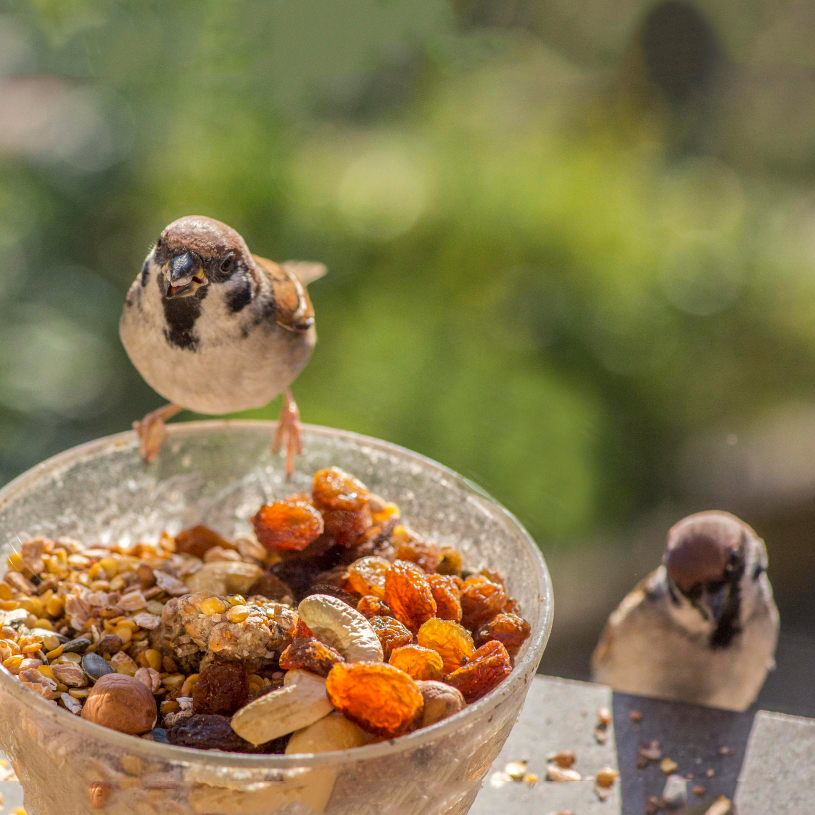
(293, 309)
(305, 271)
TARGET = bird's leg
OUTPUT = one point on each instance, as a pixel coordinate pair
(288, 430)
(151, 431)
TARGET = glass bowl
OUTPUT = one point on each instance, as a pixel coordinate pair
(218, 473)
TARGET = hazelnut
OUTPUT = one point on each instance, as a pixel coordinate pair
(121, 703)
(440, 701)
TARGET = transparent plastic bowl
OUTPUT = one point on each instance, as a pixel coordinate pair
(218, 473)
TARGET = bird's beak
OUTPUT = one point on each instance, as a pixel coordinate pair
(717, 600)
(183, 275)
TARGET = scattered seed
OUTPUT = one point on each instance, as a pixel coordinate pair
(499, 779)
(675, 793)
(530, 779)
(76, 646)
(516, 770)
(635, 716)
(710, 772)
(606, 777)
(95, 666)
(721, 806)
(555, 773)
(699, 790)
(667, 765)
(725, 751)
(565, 758)
(648, 753)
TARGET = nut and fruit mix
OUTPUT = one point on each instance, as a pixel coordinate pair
(334, 619)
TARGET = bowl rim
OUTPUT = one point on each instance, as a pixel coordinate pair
(172, 754)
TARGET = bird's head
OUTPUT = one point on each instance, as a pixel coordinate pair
(195, 251)
(715, 565)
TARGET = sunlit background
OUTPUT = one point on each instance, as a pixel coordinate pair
(571, 248)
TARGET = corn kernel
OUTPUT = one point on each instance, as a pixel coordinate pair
(33, 605)
(8, 605)
(169, 707)
(61, 688)
(33, 648)
(237, 614)
(236, 600)
(124, 632)
(79, 693)
(117, 584)
(57, 652)
(152, 659)
(44, 622)
(173, 681)
(132, 765)
(212, 605)
(54, 606)
(45, 670)
(110, 566)
(189, 684)
(50, 642)
(15, 562)
(75, 658)
(5, 591)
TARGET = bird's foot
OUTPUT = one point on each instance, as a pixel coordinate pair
(288, 431)
(152, 431)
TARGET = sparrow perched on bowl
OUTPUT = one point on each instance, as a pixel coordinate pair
(702, 627)
(215, 329)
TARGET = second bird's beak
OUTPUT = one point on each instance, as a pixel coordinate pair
(717, 601)
(183, 275)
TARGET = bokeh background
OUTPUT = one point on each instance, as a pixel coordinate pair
(571, 248)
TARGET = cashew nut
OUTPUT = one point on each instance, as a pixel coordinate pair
(337, 624)
(300, 702)
(224, 577)
(334, 732)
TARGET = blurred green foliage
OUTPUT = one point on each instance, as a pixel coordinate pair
(543, 272)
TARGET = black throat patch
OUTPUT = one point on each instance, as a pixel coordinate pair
(180, 315)
(730, 620)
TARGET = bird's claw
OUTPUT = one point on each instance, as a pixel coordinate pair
(288, 431)
(152, 433)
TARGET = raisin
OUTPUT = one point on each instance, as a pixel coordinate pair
(481, 600)
(495, 576)
(380, 698)
(310, 654)
(392, 634)
(450, 640)
(447, 594)
(198, 540)
(207, 732)
(489, 667)
(375, 540)
(271, 587)
(301, 630)
(408, 594)
(287, 525)
(417, 662)
(383, 510)
(333, 591)
(367, 575)
(335, 489)
(221, 688)
(345, 526)
(512, 606)
(297, 573)
(408, 547)
(370, 606)
(509, 629)
(450, 562)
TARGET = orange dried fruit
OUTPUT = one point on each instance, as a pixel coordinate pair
(512, 606)
(370, 606)
(392, 634)
(375, 540)
(333, 488)
(447, 594)
(489, 666)
(408, 594)
(417, 661)
(451, 641)
(287, 525)
(345, 526)
(408, 547)
(380, 698)
(495, 576)
(367, 575)
(507, 628)
(450, 562)
(481, 600)
(310, 654)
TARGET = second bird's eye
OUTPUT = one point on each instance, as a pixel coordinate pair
(227, 263)
(159, 242)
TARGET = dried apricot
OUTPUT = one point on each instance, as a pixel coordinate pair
(287, 525)
(335, 489)
(489, 667)
(408, 594)
(450, 640)
(370, 606)
(481, 600)
(367, 575)
(198, 540)
(345, 526)
(392, 634)
(507, 628)
(222, 688)
(310, 654)
(417, 661)
(447, 594)
(379, 698)
(450, 562)
(409, 547)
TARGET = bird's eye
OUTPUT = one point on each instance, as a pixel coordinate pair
(228, 263)
(159, 242)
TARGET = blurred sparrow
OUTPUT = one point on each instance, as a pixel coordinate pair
(216, 329)
(703, 627)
